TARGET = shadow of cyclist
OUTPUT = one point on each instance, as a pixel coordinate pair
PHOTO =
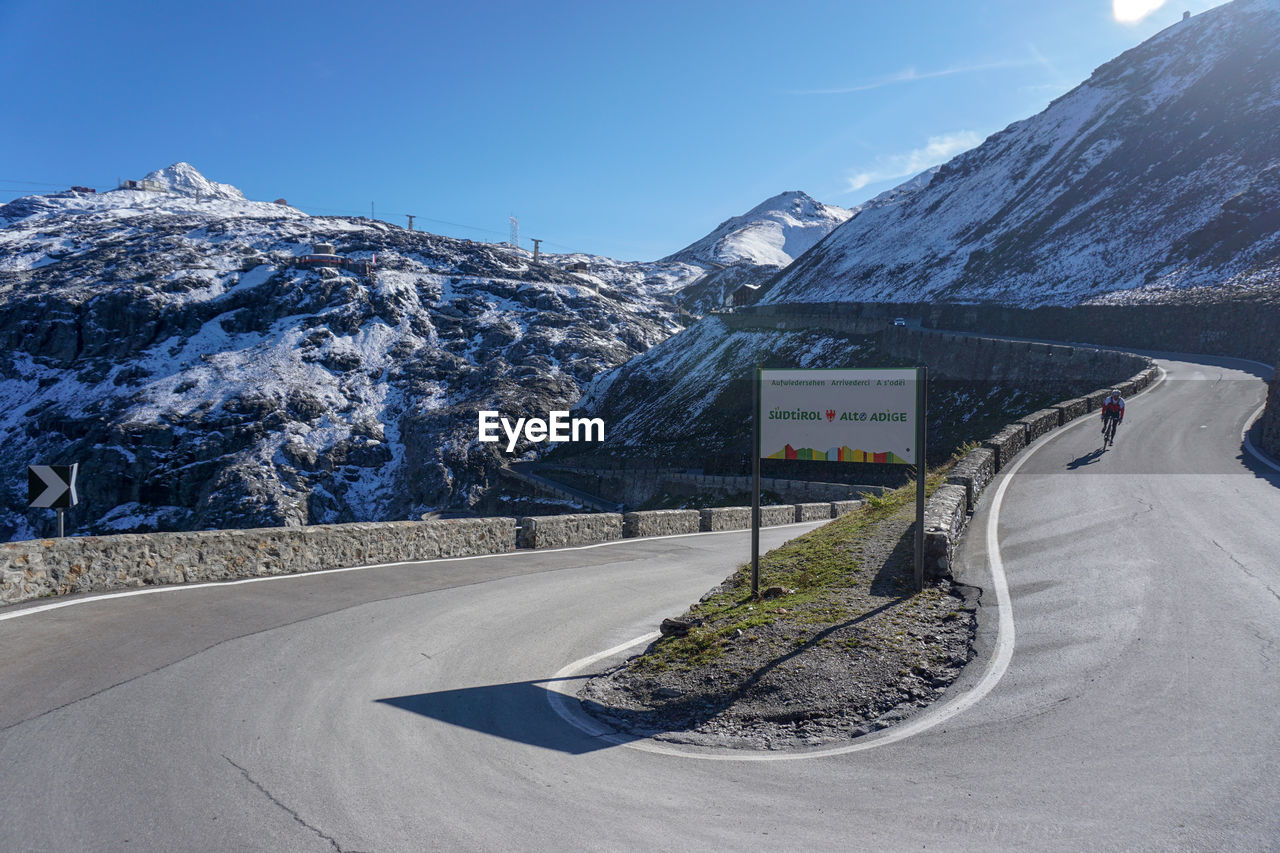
(1088, 459)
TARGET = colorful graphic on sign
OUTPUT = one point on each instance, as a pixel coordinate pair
(839, 415)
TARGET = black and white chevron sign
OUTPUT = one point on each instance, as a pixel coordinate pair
(52, 486)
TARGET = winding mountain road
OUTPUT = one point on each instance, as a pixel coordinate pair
(1127, 699)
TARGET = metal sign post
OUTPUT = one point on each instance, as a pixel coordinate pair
(922, 379)
(53, 487)
(755, 484)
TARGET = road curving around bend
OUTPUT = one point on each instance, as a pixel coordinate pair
(406, 707)
(956, 702)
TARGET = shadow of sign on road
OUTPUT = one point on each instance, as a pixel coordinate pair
(519, 711)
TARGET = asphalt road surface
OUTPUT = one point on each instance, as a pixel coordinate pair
(1124, 695)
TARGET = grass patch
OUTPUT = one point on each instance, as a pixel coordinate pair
(823, 572)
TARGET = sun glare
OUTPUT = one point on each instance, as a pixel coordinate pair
(1132, 11)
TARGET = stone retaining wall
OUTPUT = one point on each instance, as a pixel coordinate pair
(1247, 327)
(953, 356)
(661, 522)
(41, 567)
(636, 485)
(562, 531)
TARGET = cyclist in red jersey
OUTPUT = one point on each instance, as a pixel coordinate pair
(1112, 409)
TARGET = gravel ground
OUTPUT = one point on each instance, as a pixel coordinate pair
(811, 667)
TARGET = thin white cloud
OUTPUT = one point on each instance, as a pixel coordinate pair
(1133, 11)
(911, 75)
(939, 149)
(1043, 61)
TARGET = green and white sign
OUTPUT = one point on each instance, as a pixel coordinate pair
(846, 415)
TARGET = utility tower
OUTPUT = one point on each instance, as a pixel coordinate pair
(536, 244)
(410, 215)
(515, 231)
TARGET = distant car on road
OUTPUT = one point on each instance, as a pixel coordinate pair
(899, 321)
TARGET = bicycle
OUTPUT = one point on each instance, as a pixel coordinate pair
(1109, 431)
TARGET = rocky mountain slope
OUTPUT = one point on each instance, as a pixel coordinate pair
(753, 247)
(177, 346)
(1160, 172)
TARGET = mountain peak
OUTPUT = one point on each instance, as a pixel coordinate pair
(182, 177)
(774, 232)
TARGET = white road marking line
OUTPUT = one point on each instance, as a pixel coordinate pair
(1248, 444)
(568, 708)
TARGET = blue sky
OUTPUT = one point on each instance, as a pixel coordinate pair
(621, 129)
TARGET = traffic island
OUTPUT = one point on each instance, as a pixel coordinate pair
(841, 647)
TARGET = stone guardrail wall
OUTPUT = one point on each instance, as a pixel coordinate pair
(739, 517)
(1270, 437)
(727, 518)
(45, 567)
(1269, 426)
(973, 472)
(839, 508)
(948, 508)
(661, 522)
(812, 512)
(1045, 420)
(41, 567)
(1007, 443)
(562, 531)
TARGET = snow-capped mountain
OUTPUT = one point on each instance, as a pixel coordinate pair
(185, 179)
(177, 344)
(1160, 172)
(751, 248)
(773, 233)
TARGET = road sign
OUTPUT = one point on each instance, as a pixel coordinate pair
(52, 486)
(872, 415)
(845, 415)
